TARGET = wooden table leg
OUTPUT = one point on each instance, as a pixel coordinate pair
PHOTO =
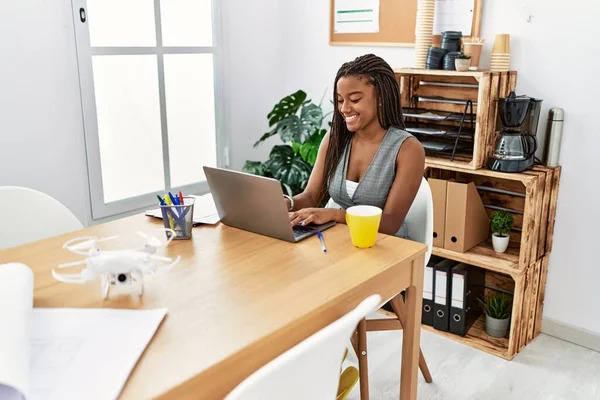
(363, 367)
(411, 339)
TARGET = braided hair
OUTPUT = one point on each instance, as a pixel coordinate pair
(379, 74)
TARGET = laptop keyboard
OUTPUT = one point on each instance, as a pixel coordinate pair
(301, 230)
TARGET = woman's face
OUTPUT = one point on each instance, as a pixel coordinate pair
(357, 102)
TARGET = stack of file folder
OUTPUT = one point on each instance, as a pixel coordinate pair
(450, 292)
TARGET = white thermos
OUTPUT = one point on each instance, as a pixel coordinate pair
(554, 130)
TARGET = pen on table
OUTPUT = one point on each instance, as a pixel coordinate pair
(320, 235)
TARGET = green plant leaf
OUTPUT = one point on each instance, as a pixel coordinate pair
(288, 167)
(296, 147)
(265, 136)
(293, 128)
(497, 306)
(255, 168)
(312, 113)
(501, 222)
(287, 106)
(310, 148)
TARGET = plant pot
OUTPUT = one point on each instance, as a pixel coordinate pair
(496, 327)
(473, 50)
(462, 64)
(500, 243)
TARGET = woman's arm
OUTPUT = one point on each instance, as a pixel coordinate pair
(409, 173)
(310, 196)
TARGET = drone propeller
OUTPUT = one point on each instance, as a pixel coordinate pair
(72, 264)
(163, 269)
(161, 258)
(80, 278)
(85, 243)
(154, 241)
(151, 240)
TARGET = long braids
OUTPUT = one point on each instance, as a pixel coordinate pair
(389, 111)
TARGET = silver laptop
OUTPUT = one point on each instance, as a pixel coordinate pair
(256, 204)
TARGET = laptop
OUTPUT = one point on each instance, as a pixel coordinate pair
(255, 204)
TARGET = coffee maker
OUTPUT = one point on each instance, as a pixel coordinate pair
(516, 144)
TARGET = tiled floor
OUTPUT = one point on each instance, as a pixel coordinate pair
(548, 368)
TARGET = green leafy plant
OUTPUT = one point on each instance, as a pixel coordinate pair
(497, 306)
(501, 223)
(298, 122)
(463, 56)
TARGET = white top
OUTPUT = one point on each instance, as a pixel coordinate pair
(351, 187)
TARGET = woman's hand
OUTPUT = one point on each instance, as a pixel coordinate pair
(316, 216)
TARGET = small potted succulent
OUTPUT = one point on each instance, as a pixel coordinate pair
(501, 224)
(462, 62)
(497, 314)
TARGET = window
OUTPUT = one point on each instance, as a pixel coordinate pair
(149, 87)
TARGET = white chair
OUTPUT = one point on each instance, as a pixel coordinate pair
(309, 370)
(419, 219)
(28, 215)
(419, 222)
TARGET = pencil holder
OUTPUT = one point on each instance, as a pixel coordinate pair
(179, 218)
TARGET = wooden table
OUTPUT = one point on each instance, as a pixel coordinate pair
(237, 300)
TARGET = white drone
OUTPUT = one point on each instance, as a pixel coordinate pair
(114, 267)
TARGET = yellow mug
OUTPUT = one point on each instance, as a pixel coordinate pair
(363, 222)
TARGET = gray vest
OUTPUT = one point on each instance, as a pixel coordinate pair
(375, 185)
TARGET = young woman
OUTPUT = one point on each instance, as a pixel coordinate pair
(367, 158)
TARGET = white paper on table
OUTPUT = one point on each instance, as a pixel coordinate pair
(16, 303)
(356, 16)
(453, 15)
(66, 353)
(205, 211)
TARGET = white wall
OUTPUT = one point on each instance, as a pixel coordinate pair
(253, 59)
(549, 54)
(41, 136)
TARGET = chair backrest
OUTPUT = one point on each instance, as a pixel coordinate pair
(419, 220)
(309, 370)
(27, 215)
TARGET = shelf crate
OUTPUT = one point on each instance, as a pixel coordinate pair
(526, 287)
(452, 94)
(530, 196)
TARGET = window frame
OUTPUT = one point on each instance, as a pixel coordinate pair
(99, 208)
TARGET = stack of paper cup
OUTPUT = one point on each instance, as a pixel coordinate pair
(424, 31)
(501, 53)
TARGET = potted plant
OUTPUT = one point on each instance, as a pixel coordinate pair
(501, 224)
(462, 62)
(497, 314)
(298, 123)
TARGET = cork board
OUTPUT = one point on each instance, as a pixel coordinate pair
(397, 22)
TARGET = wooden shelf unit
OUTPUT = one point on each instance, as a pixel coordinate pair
(484, 256)
(528, 289)
(480, 87)
(477, 338)
(530, 196)
(522, 270)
